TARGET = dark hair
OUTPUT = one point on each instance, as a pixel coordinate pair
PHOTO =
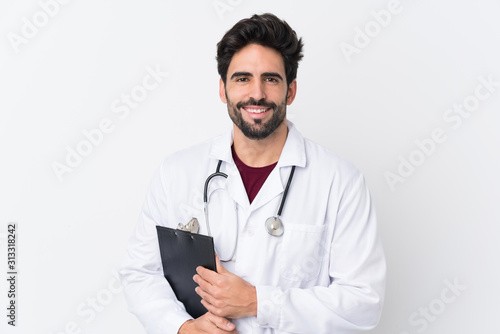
(266, 30)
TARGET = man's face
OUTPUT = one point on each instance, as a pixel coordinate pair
(256, 92)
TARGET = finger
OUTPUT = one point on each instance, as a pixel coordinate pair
(208, 275)
(205, 296)
(204, 285)
(210, 308)
(220, 322)
(219, 266)
(201, 270)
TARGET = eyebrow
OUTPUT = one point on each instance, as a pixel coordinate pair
(248, 74)
(272, 74)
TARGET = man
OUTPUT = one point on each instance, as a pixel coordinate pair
(324, 274)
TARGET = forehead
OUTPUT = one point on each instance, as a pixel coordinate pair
(256, 59)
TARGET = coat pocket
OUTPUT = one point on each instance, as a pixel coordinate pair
(302, 252)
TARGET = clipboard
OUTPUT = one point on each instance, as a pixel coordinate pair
(181, 252)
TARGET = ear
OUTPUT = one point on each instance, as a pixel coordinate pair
(292, 91)
(222, 91)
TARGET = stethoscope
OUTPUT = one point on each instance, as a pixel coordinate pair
(274, 225)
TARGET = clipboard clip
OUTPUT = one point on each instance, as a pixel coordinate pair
(192, 226)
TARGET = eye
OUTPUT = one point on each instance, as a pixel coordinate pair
(271, 80)
(242, 79)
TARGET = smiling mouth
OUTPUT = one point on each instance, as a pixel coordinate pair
(256, 110)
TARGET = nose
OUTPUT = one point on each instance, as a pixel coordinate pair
(257, 90)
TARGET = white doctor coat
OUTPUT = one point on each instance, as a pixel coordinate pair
(325, 274)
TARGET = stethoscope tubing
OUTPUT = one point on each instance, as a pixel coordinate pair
(205, 205)
(209, 178)
(285, 193)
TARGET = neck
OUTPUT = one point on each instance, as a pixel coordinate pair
(260, 152)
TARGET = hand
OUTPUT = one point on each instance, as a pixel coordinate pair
(208, 323)
(225, 294)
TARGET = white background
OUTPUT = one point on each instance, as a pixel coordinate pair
(440, 225)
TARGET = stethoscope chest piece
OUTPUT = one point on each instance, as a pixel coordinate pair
(274, 226)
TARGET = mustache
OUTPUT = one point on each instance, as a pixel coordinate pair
(253, 102)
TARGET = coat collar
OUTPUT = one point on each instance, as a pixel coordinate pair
(293, 154)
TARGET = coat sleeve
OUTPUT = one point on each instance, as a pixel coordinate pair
(353, 300)
(148, 293)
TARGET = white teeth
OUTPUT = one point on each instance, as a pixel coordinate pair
(256, 111)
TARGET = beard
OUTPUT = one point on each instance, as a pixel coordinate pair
(257, 129)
